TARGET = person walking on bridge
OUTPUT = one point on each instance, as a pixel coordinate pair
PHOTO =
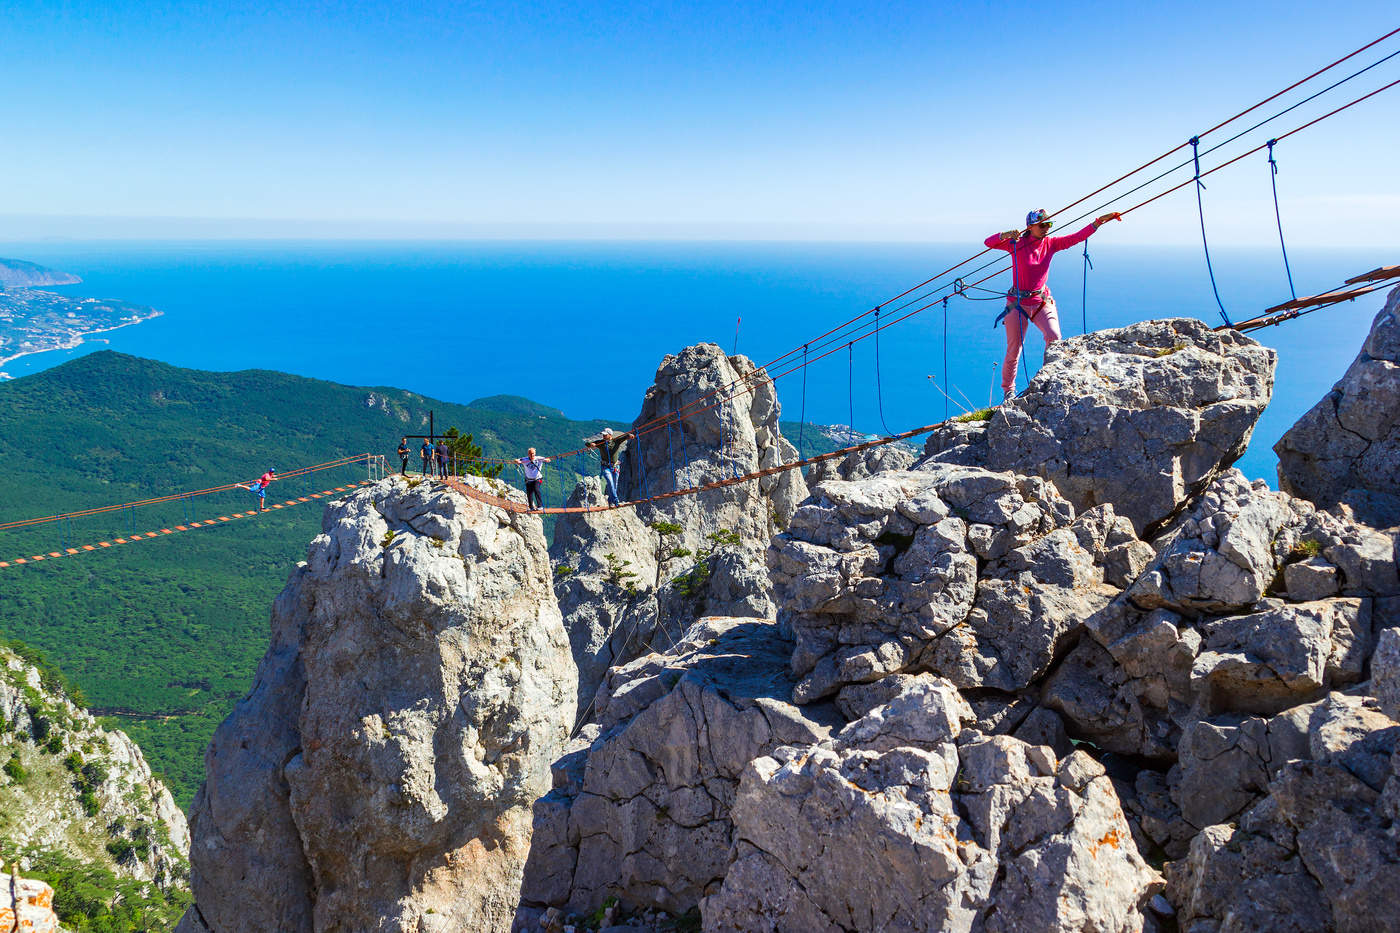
(1029, 300)
(608, 446)
(532, 465)
(403, 456)
(259, 488)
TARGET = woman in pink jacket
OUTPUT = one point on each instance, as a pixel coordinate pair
(1029, 299)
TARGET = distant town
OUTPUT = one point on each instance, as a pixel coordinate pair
(34, 321)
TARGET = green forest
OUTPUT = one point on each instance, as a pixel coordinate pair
(163, 636)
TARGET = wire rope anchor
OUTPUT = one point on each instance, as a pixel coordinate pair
(960, 287)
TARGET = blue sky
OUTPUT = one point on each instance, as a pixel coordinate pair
(766, 120)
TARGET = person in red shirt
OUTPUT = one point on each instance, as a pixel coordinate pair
(1029, 300)
(259, 488)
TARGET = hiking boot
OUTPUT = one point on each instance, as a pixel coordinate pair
(1008, 395)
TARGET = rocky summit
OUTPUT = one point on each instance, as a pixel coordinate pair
(1067, 671)
(381, 773)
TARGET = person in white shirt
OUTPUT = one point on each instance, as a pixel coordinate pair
(533, 469)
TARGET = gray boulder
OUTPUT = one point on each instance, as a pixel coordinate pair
(859, 464)
(380, 774)
(621, 596)
(983, 578)
(1142, 417)
(904, 822)
(1346, 449)
(1320, 852)
(1211, 625)
(640, 810)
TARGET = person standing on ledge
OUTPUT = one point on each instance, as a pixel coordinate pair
(403, 456)
(532, 466)
(1029, 300)
(426, 452)
(608, 446)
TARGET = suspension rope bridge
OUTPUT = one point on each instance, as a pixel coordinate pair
(863, 326)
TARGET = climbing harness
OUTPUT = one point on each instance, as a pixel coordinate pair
(1273, 183)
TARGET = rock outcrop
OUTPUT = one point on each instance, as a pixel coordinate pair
(1142, 417)
(640, 810)
(902, 823)
(977, 576)
(380, 774)
(71, 787)
(1257, 603)
(1347, 447)
(26, 906)
(1321, 851)
(620, 595)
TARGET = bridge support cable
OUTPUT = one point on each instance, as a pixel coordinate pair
(1278, 219)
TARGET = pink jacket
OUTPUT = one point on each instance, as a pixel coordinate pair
(1030, 258)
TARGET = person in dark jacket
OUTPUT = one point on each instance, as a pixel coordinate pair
(442, 456)
(608, 446)
(403, 456)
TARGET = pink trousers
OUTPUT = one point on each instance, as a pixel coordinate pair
(1043, 316)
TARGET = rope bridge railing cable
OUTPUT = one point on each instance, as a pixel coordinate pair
(141, 503)
(1273, 184)
(1272, 97)
(1225, 142)
(135, 536)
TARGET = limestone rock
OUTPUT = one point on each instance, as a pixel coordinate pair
(642, 811)
(983, 578)
(1320, 852)
(129, 825)
(1211, 626)
(1346, 449)
(27, 906)
(1141, 417)
(1385, 672)
(621, 606)
(862, 463)
(944, 830)
(381, 772)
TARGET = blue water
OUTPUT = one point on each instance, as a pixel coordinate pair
(582, 325)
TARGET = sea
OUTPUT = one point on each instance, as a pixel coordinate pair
(582, 326)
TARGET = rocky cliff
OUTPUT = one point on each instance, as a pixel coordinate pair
(380, 774)
(78, 803)
(635, 579)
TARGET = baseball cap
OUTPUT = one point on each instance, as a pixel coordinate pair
(1039, 217)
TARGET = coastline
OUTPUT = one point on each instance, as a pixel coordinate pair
(73, 341)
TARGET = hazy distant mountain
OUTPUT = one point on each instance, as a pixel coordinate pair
(16, 273)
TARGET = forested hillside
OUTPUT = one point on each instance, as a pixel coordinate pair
(163, 636)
